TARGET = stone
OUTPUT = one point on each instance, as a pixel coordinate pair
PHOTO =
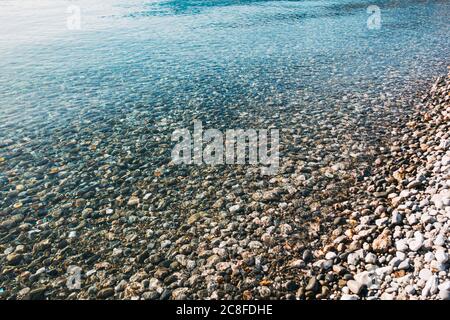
(396, 217)
(370, 258)
(235, 209)
(37, 294)
(307, 256)
(431, 286)
(425, 274)
(382, 242)
(440, 240)
(105, 293)
(266, 238)
(195, 217)
(223, 266)
(412, 219)
(180, 293)
(120, 286)
(338, 269)
(404, 265)
(298, 263)
(410, 290)
(441, 199)
(338, 221)
(255, 244)
(354, 286)
(72, 234)
(387, 296)
(23, 293)
(133, 201)
(14, 258)
(165, 243)
(416, 243)
(338, 166)
(272, 195)
(383, 271)
(291, 285)
(330, 255)
(444, 294)
(353, 259)
(401, 255)
(441, 256)
(327, 264)
(401, 245)
(11, 222)
(264, 292)
(429, 256)
(444, 290)
(312, 285)
(365, 278)
(395, 261)
(285, 229)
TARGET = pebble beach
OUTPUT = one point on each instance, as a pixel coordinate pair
(386, 238)
(93, 207)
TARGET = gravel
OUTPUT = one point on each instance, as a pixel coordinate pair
(354, 213)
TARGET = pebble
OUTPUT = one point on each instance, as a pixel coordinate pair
(298, 263)
(444, 290)
(105, 293)
(441, 256)
(440, 240)
(404, 265)
(264, 292)
(370, 258)
(72, 234)
(235, 209)
(312, 285)
(330, 225)
(416, 243)
(349, 297)
(354, 286)
(307, 256)
(255, 245)
(330, 255)
(353, 259)
(431, 286)
(14, 258)
(425, 274)
(133, 201)
(396, 218)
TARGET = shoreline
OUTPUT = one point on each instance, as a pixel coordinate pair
(395, 242)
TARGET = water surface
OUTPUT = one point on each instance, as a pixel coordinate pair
(211, 53)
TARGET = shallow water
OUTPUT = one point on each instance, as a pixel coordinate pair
(212, 54)
(112, 92)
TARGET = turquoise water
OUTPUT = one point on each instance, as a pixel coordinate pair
(209, 53)
(139, 64)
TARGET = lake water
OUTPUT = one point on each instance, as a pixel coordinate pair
(210, 53)
(111, 92)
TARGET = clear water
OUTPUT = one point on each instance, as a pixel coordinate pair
(213, 54)
(139, 69)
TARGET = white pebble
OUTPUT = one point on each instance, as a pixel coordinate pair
(441, 256)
